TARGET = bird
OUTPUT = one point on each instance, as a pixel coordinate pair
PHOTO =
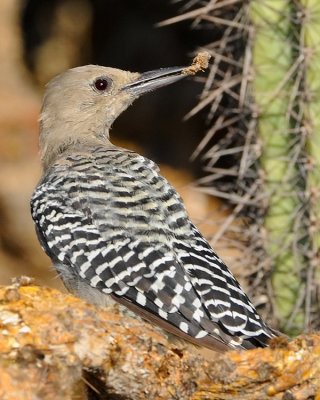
(116, 231)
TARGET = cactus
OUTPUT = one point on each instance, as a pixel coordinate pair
(310, 45)
(274, 85)
(261, 153)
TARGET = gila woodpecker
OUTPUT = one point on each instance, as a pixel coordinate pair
(116, 230)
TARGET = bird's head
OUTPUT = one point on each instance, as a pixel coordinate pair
(81, 104)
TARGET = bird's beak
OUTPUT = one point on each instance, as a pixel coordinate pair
(152, 80)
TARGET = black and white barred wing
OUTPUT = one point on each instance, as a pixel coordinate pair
(131, 238)
(222, 295)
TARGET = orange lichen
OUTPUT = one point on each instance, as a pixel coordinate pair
(51, 338)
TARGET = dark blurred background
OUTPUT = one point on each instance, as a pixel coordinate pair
(40, 38)
(122, 33)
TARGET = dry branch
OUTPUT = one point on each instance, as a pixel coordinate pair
(49, 339)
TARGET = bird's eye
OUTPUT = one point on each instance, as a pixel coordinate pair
(101, 84)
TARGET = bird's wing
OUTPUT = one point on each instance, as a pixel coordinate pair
(220, 293)
(127, 234)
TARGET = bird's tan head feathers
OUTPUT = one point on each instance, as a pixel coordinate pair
(80, 105)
